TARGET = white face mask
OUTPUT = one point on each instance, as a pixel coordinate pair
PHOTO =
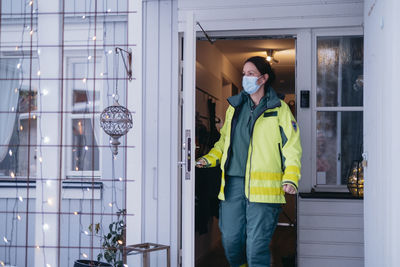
(250, 85)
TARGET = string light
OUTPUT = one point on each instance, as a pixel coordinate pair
(37, 247)
(34, 117)
(40, 159)
(19, 217)
(120, 178)
(45, 92)
(2, 263)
(46, 139)
(120, 242)
(94, 38)
(110, 51)
(38, 73)
(76, 213)
(84, 255)
(45, 227)
(5, 239)
(16, 90)
(21, 128)
(110, 204)
(16, 48)
(83, 17)
(48, 183)
(48, 265)
(108, 10)
(18, 65)
(30, 3)
(101, 73)
(12, 174)
(86, 148)
(21, 198)
(86, 232)
(10, 153)
(84, 80)
(31, 32)
(50, 201)
(89, 57)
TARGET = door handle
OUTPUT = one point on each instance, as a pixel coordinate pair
(188, 158)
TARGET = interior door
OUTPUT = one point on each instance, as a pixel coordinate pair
(188, 139)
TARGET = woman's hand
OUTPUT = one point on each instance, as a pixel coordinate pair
(201, 163)
(288, 188)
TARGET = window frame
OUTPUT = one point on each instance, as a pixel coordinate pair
(337, 32)
(34, 114)
(72, 57)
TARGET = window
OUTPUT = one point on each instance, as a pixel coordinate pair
(83, 111)
(338, 110)
(18, 106)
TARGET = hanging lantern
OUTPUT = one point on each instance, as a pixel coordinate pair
(116, 121)
(355, 180)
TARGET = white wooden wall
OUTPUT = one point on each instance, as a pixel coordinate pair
(160, 128)
(330, 233)
(381, 133)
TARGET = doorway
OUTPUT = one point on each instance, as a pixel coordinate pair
(219, 76)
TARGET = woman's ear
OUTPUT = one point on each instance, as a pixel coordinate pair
(264, 78)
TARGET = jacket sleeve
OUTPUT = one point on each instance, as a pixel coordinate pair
(291, 146)
(213, 157)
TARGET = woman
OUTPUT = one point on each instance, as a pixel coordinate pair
(259, 151)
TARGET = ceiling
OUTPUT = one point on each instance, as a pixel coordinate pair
(237, 51)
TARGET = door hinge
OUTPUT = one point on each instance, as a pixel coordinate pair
(180, 257)
(181, 68)
(180, 98)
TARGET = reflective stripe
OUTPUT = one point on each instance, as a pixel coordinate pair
(265, 183)
(292, 169)
(291, 177)
(266, 176)
(266, 191)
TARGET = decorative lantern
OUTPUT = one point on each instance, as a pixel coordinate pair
(355, 180)
(116, 121)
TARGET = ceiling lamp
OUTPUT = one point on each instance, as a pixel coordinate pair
(270, 53)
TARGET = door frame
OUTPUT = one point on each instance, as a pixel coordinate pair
(302, 82)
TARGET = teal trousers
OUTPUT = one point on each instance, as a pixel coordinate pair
(246, 227)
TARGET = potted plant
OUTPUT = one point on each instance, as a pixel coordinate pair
(112, 244)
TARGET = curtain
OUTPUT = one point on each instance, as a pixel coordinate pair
(8, 102)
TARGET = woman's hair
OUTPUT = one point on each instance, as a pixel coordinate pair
(263, 67)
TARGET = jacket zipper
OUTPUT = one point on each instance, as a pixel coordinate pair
(251, 155)
(280, 154)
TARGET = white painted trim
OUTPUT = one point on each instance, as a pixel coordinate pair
(134, 167)
(188, 186)
(346, 31)
(344, 109)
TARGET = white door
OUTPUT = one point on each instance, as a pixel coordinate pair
(188, 139)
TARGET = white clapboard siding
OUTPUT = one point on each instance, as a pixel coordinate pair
(275, 14)
(330, 232)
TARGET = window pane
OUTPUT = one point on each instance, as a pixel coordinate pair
(339, 143)
(16, 101)
(339, 71)
(84, 140)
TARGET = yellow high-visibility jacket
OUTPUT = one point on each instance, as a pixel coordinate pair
(274, 152)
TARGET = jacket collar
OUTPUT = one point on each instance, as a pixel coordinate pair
(272, 99)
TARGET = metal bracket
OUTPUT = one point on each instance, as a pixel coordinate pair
(128, 68)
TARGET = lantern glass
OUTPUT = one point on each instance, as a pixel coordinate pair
(355, 180)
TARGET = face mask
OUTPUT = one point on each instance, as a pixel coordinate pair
(250, 85)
